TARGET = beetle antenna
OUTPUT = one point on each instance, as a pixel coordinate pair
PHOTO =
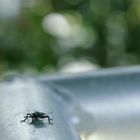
(50, 112)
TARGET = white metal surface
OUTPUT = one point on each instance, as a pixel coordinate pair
(19, 97)
(109, 99)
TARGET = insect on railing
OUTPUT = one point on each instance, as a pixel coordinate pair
(20, 98)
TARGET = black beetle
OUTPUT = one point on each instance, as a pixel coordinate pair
(37, 115)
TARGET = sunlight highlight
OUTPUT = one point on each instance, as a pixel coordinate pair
(93, 137)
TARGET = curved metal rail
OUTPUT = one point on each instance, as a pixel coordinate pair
(19, 97)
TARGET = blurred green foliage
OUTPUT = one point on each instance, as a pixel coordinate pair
(104, 32)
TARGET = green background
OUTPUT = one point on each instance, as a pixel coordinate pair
(108, 35)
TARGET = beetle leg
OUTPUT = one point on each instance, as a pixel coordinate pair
(26, 117)
(49, 119)
(32, 120)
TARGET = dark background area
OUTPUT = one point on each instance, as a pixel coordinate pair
(44, 35)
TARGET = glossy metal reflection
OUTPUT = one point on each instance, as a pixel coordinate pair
(19, 97)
